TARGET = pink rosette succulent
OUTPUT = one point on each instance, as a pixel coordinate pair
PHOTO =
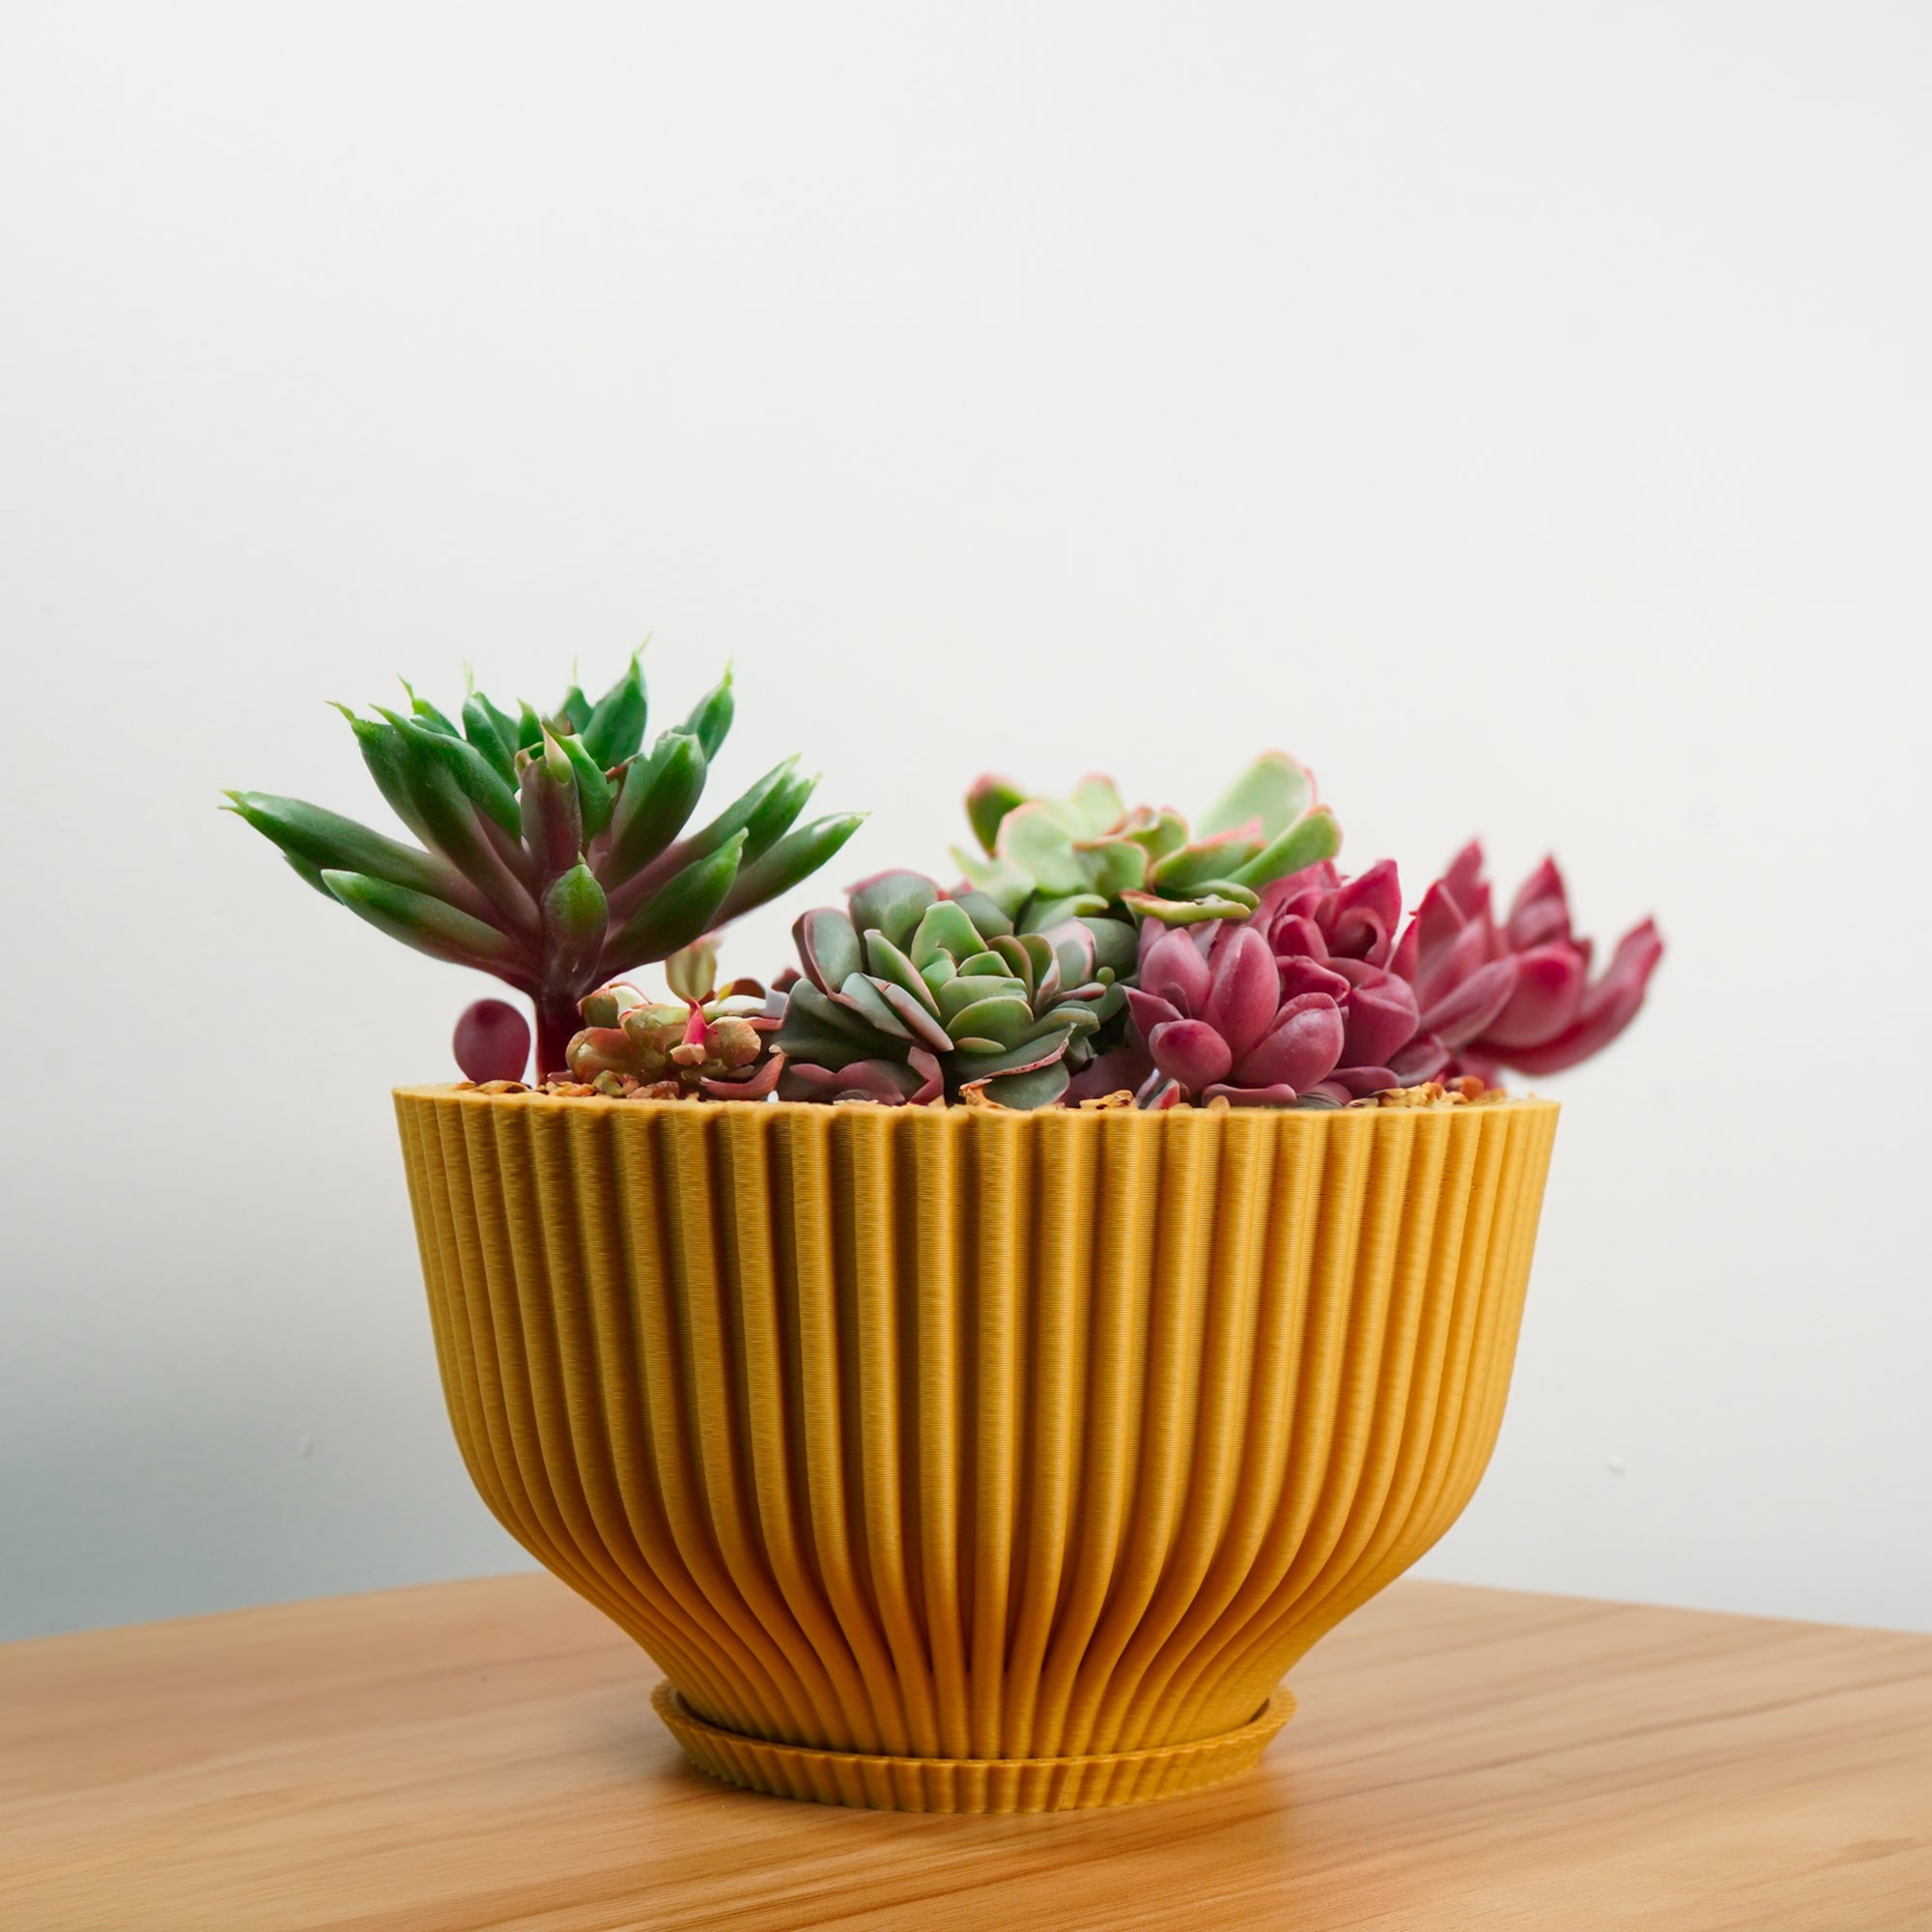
(1211, 1008)
(1297, 1005)
(1519, 995)
(1337, 936)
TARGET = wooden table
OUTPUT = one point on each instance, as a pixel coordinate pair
(483, 1755)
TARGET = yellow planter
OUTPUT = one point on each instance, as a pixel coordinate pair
(951, 1460)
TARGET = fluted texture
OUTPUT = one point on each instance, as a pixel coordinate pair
(966, 1435)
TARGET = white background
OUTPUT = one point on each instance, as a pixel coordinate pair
(1523, 412)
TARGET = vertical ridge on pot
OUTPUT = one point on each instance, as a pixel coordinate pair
(1289, 1206)
(950, 1459)
(1050, 1457)
(1233, 1253)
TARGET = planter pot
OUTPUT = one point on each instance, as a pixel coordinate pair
(953, 1460)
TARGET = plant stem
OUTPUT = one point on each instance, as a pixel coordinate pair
(556, 1021)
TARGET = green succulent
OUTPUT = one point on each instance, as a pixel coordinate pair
(910, 995)
(1043, 860)
(554, 852)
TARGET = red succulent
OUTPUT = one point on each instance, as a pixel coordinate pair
(1519, 995)
(1211, 1007)
(1297, 1004)
(1338, 936)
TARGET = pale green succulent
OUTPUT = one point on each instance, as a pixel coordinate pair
(1044, 860)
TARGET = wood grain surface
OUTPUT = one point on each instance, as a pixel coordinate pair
(482, 1755)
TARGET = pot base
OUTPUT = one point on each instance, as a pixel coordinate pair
(969, 1785)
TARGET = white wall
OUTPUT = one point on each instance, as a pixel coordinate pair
(1522, 412)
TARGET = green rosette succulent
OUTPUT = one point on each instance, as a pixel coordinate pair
(909, 995)
(555, 852)
(1044, 860)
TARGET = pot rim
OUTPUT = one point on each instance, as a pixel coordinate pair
(556, 1103)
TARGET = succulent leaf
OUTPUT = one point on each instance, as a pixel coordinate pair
(463, 765)
(424, 923)
(325, 840)
(777, 810)
(455, 829)
(970, 989)
(891, 903)
(1096, 805)
(1038, 1086)
(1019, 962)
(1113, 866)
(916, 1014)
(493, 732)
(828, 948)
(1274, 789)
(575, 918)
(1006, 885)
(1201, 863)
(986, 805)
(426, 713)
(868, 1000)
(656, 798)
(615, 730)
(1037, 840)
(1115, 945)
(484, 789)
(887, 964)
(794, 858)
(596, 797)
(386, 758)
(1042, 915)
(1158, 833)
(1307, 842)
(987, 917)
(692, 971)
(945, 928)
(609, 1004)
(1189, 912)
(552, 821)
(711, 720)
(818, 1032)
(987, 1063)
(1005, 1019)
(684, 909)
(759, 814)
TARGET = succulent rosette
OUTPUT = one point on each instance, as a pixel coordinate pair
(1043, 860)
(704, 1042)
(1337, 936)
(1518, 995)
(554, 851)
(1210, 1010)
(911, 995)
(1294, 1005)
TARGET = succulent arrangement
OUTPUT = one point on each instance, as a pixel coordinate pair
(1090, 953)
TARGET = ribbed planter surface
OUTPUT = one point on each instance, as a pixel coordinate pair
(957, 1460)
